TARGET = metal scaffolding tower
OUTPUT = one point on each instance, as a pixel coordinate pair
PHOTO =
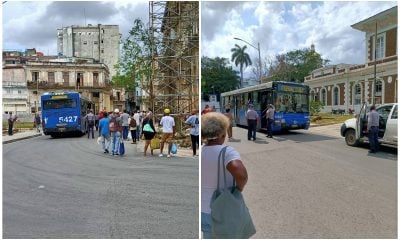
(174, 33)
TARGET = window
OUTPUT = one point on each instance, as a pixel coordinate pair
(102, 50)
(50, 76)
(394, 114)
(95, 77)
(323, 96)
(84, 42)
(9, 91)
(357, 94)
(65, 76)
(35, 76)
(19, 91)
(336, 96)
(95, 42)
(378, 88)
(380, 47)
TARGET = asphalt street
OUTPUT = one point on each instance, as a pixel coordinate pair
(310, 184)
(68, 188)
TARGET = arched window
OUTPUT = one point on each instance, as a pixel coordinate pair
(357, 94)
(323, 96)
(335, 96)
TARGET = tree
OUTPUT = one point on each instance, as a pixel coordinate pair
(217, 77)
(315, 107)
(295, 65)
(134, 66)
(240, 57)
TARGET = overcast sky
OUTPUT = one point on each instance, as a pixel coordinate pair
(280, 27)
(34, 24)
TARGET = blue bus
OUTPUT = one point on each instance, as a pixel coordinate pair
(291, 101)
(64, 112)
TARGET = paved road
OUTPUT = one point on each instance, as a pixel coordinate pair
(67, 188)
(310, 184)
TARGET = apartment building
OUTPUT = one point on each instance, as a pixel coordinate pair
(99, 42)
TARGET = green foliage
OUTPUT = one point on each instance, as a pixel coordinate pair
(240, 57)
(216, 76)
(315, 107)
(295, 65)
(135, 63)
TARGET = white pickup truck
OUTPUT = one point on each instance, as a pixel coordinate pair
(355, 130)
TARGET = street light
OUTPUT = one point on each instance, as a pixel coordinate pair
(259, 54)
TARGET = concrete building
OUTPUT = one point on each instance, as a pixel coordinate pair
(89, 78)
(15, 91)
(348, 86)
(99, 42)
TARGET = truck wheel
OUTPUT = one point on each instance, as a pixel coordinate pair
(350, 137)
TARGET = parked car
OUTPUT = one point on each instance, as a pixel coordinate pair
(355, 130)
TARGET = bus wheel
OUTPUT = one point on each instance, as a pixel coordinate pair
(350, 137)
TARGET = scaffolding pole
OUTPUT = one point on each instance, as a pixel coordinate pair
(174, 36)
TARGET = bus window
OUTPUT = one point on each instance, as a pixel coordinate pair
(291, 102)
(59, 104)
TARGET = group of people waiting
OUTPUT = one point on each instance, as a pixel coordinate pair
(116, 126)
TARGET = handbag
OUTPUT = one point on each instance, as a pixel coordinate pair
(121, 148)
(230, 217)
(155, 143)
(147, 128)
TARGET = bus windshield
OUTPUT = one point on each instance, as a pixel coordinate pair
(59, 104)
(291, 102)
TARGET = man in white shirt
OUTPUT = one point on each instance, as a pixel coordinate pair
(168, 125)
(138, 118)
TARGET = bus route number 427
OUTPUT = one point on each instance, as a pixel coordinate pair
(67, 119)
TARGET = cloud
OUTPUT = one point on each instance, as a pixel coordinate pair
(286, 26)
(35, 24)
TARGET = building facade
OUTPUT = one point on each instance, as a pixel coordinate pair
(99, 42)
(90, 79)
(348, 86)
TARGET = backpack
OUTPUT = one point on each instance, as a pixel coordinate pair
(132, 123)
(112, 125)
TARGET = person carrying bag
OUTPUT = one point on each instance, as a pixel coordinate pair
(223, 211)
(230, 217)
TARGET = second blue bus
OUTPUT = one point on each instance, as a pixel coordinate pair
(291, 101)
(64, 112)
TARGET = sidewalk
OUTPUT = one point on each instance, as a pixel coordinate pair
(20, 136)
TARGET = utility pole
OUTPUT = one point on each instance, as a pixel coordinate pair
(374, 84)
(259, 56)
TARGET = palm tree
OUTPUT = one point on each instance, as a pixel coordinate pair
(240, 57)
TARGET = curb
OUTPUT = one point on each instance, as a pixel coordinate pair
(323, 124)
(22, 138)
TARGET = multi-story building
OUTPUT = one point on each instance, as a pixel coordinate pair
(99, 42)
(348, 86)
(83, 75)
(15, 91)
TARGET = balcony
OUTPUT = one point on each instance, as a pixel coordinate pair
(53, 85)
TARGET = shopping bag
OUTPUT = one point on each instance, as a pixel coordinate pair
(230, 217)
(155, 143)
(174, 148)
(99, 139)
(121, 148)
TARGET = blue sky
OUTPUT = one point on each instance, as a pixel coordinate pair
(280, 27)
